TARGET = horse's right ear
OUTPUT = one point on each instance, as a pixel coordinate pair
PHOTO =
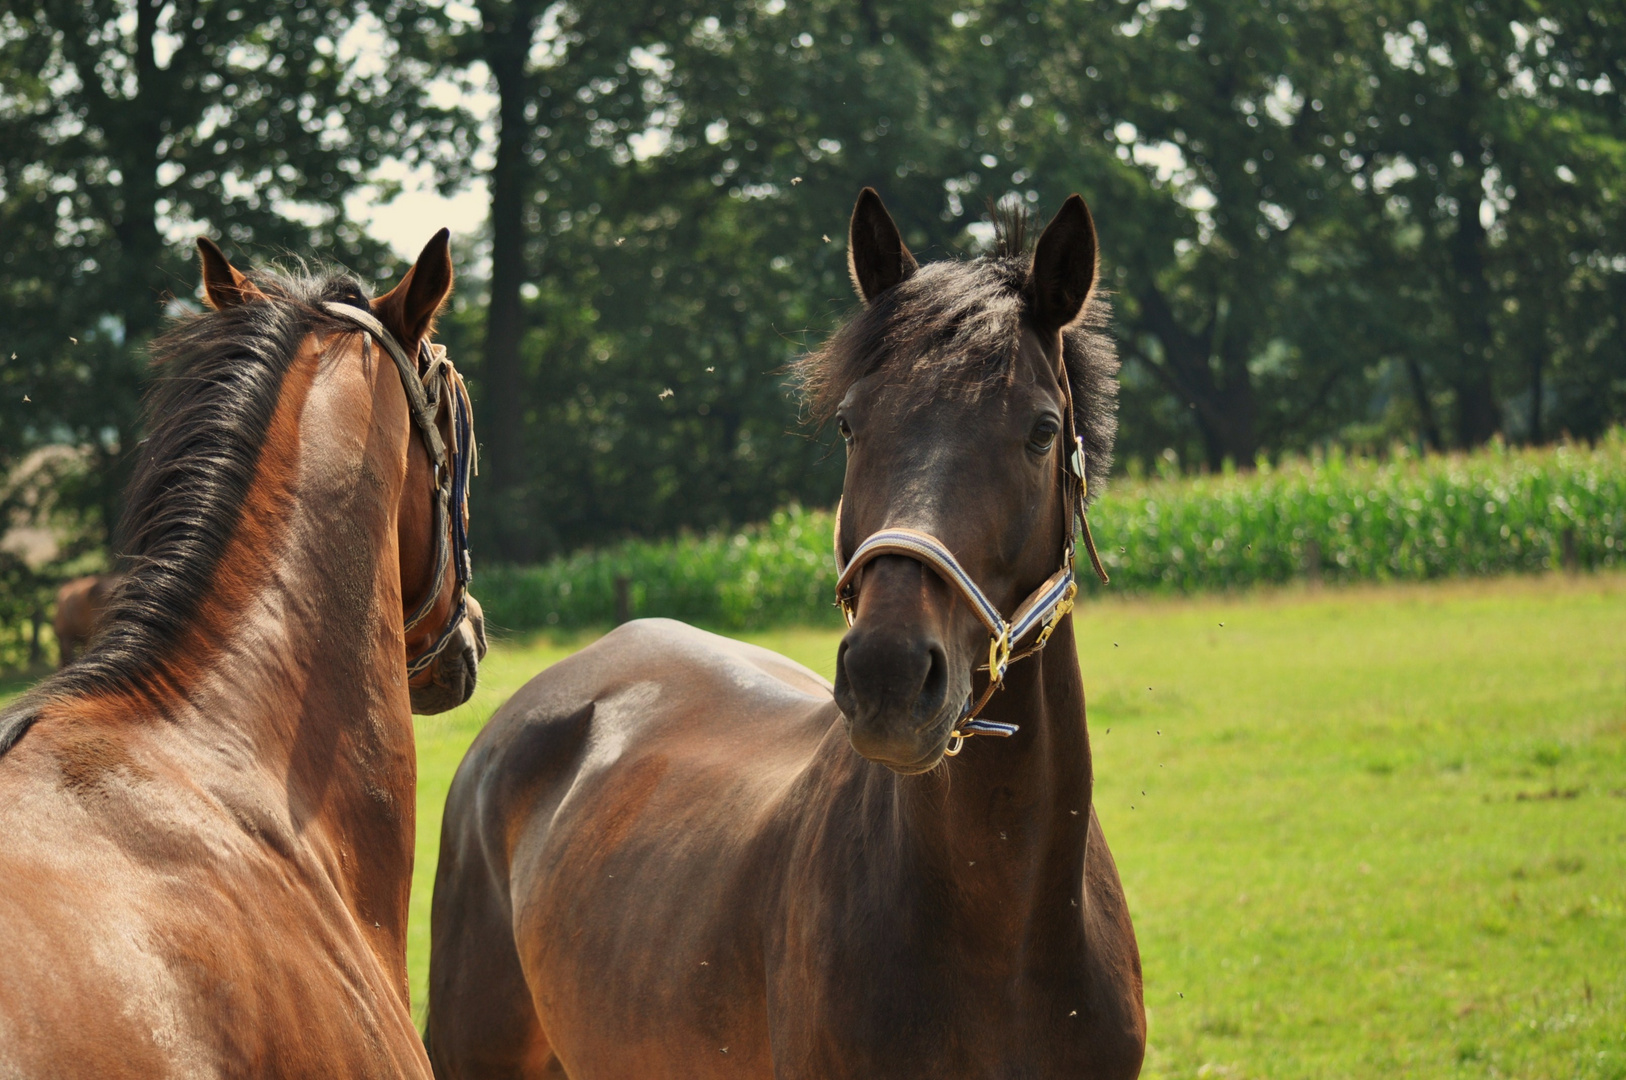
(1064, 263)
(223, 285)
(877, 257)
(408, 310)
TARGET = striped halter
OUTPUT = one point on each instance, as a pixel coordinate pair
(425, 393)
(1042, 610)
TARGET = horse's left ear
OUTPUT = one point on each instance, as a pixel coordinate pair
(223, 285)
(408, 310)
(1063, 266)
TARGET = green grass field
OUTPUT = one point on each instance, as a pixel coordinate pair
(1367, 832)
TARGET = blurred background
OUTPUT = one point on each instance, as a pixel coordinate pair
(1328, 226)
(1368, 266)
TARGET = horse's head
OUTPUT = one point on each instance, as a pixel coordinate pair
(397, 374)
(957, 389)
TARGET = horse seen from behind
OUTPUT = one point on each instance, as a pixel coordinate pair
(676, 855)
(79, 607)
(206, 823)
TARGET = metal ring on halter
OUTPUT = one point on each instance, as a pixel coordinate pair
(438, 384)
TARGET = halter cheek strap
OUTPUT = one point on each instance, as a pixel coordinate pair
(450, 481)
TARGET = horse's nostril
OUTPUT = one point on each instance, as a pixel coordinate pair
(891, 679)
(934, 688)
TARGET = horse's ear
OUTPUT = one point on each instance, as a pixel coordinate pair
(408, 310)
(1063, 266)
(877, 257)
(223, 285)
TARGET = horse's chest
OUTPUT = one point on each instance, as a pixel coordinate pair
(935, 1011)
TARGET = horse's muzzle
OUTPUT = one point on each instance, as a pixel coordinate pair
(453, 675)
(894, 690)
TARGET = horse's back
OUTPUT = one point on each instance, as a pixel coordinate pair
(653, 696)
(679, 663)
(656, 737)
(653, 682)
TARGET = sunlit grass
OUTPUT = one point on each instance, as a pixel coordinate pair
(1383, 831)
(1364, 832)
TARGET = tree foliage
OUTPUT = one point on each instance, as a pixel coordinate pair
(128, 127)
(1322, 221)
(1296, 254)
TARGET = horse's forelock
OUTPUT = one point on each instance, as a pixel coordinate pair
(954, 328)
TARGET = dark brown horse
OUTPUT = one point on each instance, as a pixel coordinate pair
(674, 855)
(206, 824)
(79, 607)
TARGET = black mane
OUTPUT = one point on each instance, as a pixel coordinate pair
(208, 413)
(955, 327)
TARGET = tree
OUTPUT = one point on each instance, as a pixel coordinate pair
(127, 127)
(1491, 162)
(1220, 210)
(667, 179)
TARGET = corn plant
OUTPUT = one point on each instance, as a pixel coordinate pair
(1334, 518)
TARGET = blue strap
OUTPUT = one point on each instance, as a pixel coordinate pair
(925, 548)
(978, 726)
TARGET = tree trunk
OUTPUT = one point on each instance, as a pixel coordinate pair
(1538, 362)
(1477, 415)
(1429, 427)
(507, 38)
(134, 129)
(1226, 411)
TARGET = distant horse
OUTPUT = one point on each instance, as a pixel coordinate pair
(674, 855)
(79, 606)
(206, 824)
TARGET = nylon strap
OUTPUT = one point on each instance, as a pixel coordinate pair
(422, 407)
(450, 480)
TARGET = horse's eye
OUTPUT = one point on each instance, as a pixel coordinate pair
(1043, 437)
(846, 432)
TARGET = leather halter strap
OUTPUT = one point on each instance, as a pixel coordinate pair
(1043, 609)
(450, 481)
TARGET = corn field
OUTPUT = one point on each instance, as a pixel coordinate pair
(1337, 519)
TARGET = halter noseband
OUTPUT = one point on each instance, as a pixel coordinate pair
(1043, 608)
(451, 471)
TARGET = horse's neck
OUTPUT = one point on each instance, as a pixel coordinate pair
(306, 683)
(1008, 818)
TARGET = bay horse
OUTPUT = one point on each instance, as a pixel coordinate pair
(675, 855)
(206, 824)
(79, 607)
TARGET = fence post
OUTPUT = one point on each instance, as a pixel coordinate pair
(34, 649)
(1312, 561)
(623, 599)
(1571, 558)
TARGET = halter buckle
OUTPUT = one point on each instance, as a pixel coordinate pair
(999, 655)
(1063, 606)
